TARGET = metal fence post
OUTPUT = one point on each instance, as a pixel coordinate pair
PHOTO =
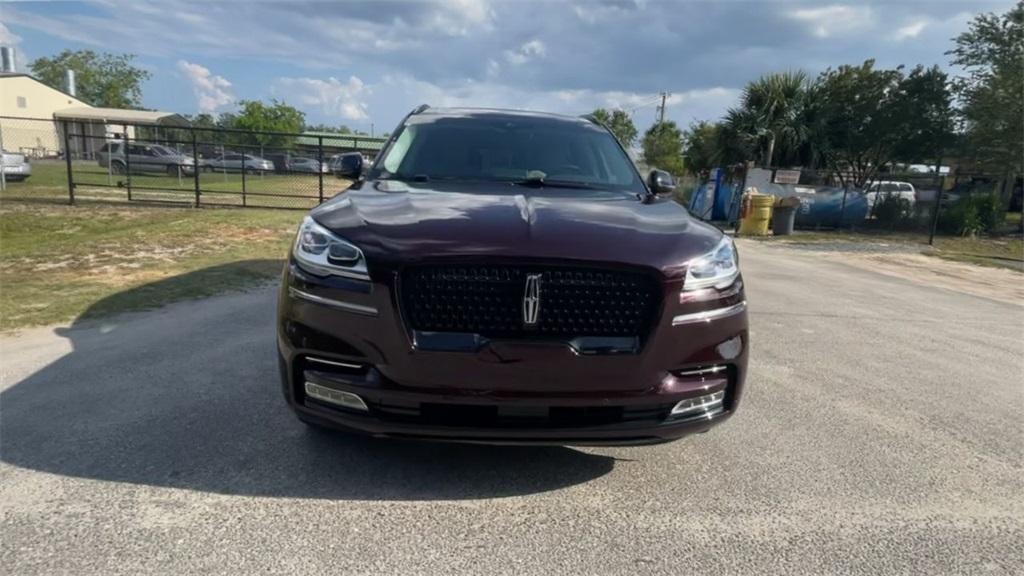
(127, 160)
(842, 208)
(195, 165)
(320, 166)
(67, 162)
(243, 176)
(3, 174)
(935, 213)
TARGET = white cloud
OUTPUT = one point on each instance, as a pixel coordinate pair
(528, 51)
(702, 104)
(211, 91)
(594, 12)
(462, 17)
(346, 100)
(8, 38)
(835, 20)
(912, 30)
(493, 68)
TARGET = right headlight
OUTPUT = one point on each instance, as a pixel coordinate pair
(319, 251)
(716, 269)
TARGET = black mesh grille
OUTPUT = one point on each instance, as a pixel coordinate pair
(488, 300)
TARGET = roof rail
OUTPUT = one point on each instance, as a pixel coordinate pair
(420, 109)
(590, 118)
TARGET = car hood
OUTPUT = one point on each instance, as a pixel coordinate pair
(397, 223)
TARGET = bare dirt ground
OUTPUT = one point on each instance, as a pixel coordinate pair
(999, 284)
(908, 263)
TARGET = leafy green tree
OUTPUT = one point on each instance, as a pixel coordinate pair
(859, 108)
(105, 80)
(923, 116)
(702, 148)
(663, 147)
(277, 116)
(619, 123)
(991, 91)
(340, 129)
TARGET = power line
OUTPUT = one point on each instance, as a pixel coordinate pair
(653, 100)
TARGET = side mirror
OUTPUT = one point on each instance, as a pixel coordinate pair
(351, 167)
(661, 182)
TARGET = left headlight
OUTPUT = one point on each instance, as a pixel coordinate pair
(320, 252)
(718, 268)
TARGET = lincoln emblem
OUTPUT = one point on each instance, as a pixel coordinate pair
(531, 300)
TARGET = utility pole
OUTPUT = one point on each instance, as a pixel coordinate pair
(661, 114)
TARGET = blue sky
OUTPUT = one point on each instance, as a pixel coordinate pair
(359, 63)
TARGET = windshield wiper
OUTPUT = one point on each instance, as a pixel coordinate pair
(537, 179)
(407, 178)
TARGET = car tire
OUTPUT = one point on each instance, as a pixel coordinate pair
(207, 168)
(117, 167)
(173, 171)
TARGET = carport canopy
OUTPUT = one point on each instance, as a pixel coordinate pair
(120, 116)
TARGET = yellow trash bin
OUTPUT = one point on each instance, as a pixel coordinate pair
(755, 223)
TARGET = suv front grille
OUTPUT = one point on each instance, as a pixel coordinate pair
(489, 300)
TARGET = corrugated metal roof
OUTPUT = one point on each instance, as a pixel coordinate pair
(120, 116)
(349, 141)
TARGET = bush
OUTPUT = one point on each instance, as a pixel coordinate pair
(972, 215)
(891, 209)
(991, 212)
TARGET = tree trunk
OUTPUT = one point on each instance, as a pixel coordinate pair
(771, 151)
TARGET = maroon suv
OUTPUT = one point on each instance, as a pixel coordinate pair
(510, 277)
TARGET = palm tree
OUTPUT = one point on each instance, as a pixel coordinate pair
(770, 115)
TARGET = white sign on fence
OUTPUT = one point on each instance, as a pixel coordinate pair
(787, 177)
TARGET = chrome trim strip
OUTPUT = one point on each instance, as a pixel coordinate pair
(700, 371)
(709, 315)
(334, 363)
(346, 306)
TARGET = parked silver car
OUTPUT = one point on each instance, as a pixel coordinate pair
(15, 167)
(308, 165)
(236, 162)
(144, 158)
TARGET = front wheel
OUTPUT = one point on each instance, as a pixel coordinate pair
(173, 171)
(118, 167)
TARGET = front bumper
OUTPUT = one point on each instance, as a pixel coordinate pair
(350, 338)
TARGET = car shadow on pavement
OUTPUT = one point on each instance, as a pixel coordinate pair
(188, 397)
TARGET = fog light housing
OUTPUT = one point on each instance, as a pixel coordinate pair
(336, 397)
(697, 407)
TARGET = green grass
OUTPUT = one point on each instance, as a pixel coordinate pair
(107, 254)
(1003, 252)
(92, 183)
(61, 262)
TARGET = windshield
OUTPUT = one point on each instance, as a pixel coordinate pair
(509, 149)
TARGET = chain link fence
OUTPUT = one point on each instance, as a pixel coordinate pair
(912, 202)
(67, 161)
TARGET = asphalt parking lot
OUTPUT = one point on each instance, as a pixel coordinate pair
(881, 433)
